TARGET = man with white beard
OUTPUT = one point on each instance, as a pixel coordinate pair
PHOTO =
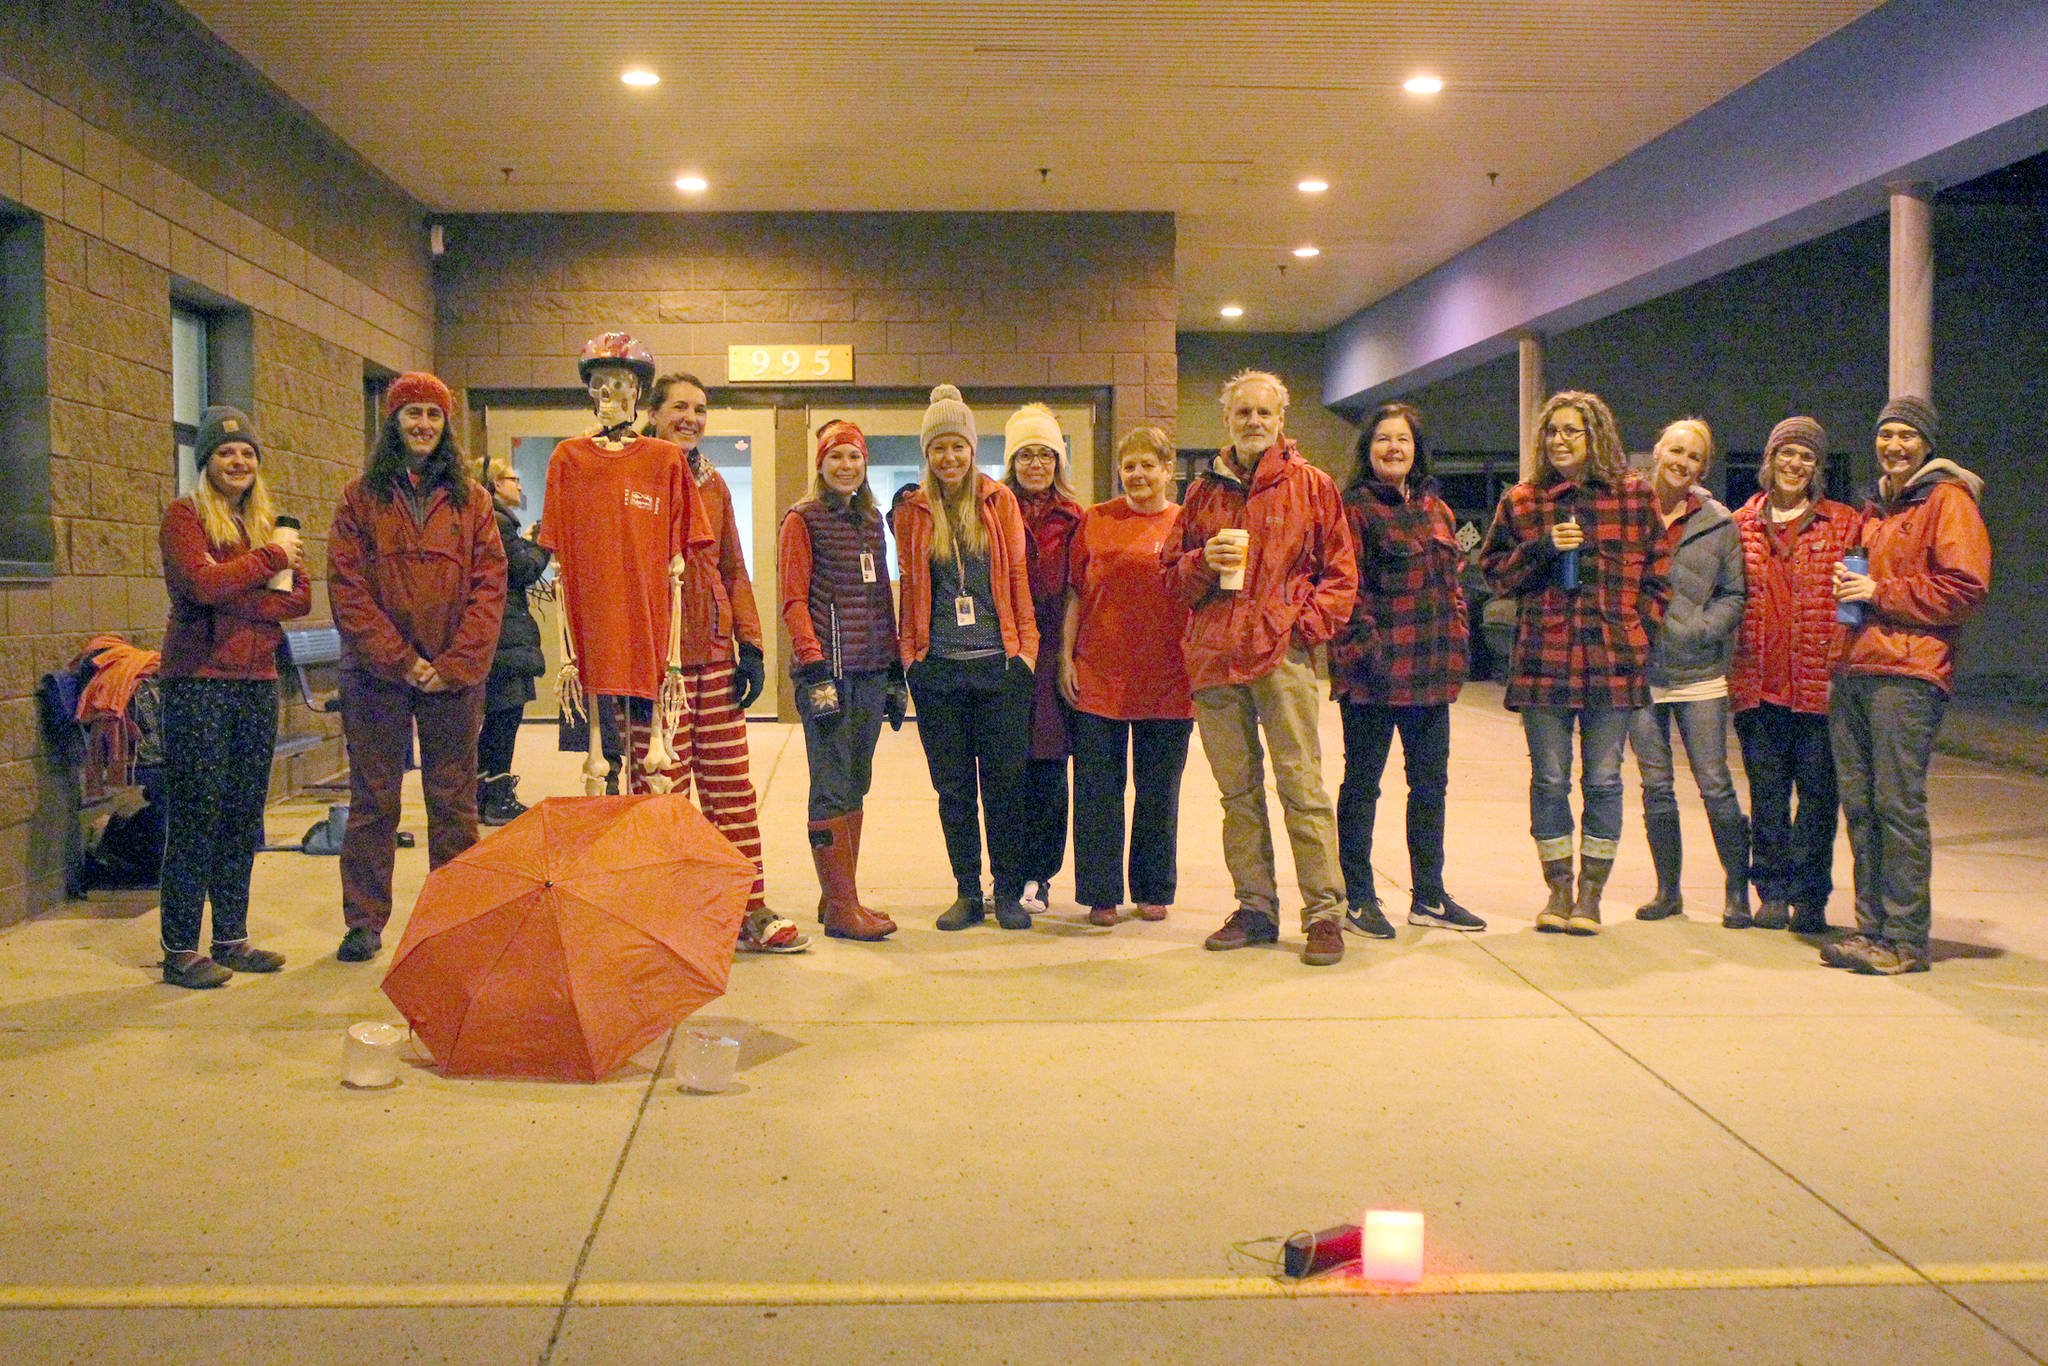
(1264, 560)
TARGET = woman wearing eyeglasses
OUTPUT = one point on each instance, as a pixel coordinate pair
(1035, 468)
(1579, 549)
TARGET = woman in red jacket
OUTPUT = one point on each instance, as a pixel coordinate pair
(968, 636)
(416, 578)
(1930, 570)
(1580, 549)
(1778, 683)
(224, 558)
(1398, 666)
(1035, 469)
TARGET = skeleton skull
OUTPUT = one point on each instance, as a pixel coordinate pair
(615, 393)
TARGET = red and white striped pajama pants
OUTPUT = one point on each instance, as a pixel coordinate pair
(711, 746)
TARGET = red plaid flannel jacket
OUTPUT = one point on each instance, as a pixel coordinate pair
(1587, 647)
(1405, 643)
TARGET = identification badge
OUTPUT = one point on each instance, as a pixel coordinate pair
(963, 611)
(867, 566)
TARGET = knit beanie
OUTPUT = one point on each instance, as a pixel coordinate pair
(1799, 431)
(839, 433)
(949, 415)
(417, 386)
(219, 425)
(1916, 413)
(1032, 425)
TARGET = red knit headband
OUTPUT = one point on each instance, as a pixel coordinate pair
(840, 433)
(417, 386)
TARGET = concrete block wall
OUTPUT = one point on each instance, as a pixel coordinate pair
(119, 226)
(1208, 359)
(979, 300)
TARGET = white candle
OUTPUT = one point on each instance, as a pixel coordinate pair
(1390, 1246)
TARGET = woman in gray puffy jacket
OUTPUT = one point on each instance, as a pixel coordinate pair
(1689, 658)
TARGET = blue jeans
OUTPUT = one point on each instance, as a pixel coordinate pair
(1703, 726)
(1602, 732)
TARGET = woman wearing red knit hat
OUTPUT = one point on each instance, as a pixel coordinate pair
(416, 578)
(842, 628)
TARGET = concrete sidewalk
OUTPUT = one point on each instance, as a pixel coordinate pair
(1670, 1143)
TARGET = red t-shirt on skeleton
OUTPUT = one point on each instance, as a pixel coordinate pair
(614, 520)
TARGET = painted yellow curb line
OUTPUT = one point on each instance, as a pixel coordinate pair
(743, 1294)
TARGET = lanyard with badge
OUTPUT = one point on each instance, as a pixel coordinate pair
(963, 604)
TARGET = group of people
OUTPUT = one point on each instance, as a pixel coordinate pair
(1036, 636)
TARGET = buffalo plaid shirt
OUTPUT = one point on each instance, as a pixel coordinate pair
(1587, 647)
(1405, 643)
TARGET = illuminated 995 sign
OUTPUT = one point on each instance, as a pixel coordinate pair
(789, 364)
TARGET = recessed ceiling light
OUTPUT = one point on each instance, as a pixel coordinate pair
(640, 75)
(1231, 311)
(1304, 251)
(1313, 186)
(1422, 85)
(692, 184)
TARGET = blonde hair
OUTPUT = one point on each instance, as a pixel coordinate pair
(1244, 377)
(1152, 441)
(956, 517)
(228, 527)
(1698, 427)
(1605, 458)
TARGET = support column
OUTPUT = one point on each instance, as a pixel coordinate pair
(1529, 355)
(1912, 292)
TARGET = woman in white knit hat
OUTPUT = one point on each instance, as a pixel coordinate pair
(968, 637)
(1035, 468)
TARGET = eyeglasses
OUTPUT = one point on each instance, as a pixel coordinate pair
(1037, 456)
(1568, 433)
(1803, 459)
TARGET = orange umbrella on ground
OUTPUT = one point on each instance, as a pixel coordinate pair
(572, 938)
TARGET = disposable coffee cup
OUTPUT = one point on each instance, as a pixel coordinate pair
(282, 579)
(708, 1061)
(1231, 580)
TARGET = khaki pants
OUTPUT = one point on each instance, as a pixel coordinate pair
(1284, 704)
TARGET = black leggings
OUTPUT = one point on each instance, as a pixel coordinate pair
(496, 741)
(974, 717)
(218, 734)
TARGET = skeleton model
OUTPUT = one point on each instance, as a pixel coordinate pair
(595, 511)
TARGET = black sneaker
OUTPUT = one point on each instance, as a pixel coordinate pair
(359, 945)
(1011, 915)
(965, 911)
(1367, 919)
(1445, 915)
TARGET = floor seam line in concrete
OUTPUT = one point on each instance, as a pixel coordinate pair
(604, 1204)
(1725, 1127)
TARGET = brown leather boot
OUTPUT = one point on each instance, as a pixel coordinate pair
(1557, 912)
(845, 917)
(1585, 917)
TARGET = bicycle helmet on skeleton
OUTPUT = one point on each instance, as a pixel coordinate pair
(616, 348)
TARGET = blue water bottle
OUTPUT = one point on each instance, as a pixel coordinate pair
(1568, 562)
(1856, 560)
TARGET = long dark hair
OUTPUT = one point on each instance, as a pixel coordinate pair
(1362, 472)
(444, 464)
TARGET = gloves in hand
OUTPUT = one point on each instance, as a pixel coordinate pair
(749, 676)
(896, 698)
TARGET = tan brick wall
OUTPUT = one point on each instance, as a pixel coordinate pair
(977, 300)
(1207, 359)
(118, 225)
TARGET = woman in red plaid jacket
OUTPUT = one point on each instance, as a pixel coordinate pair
(1579, 548)
(1398, 666)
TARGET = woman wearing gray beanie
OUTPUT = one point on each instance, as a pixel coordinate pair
(1793, 535)
(968, 638)
(224, 552)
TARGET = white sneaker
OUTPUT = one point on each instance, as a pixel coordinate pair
(1033, 897)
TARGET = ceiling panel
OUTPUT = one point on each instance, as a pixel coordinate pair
(1207, 112)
